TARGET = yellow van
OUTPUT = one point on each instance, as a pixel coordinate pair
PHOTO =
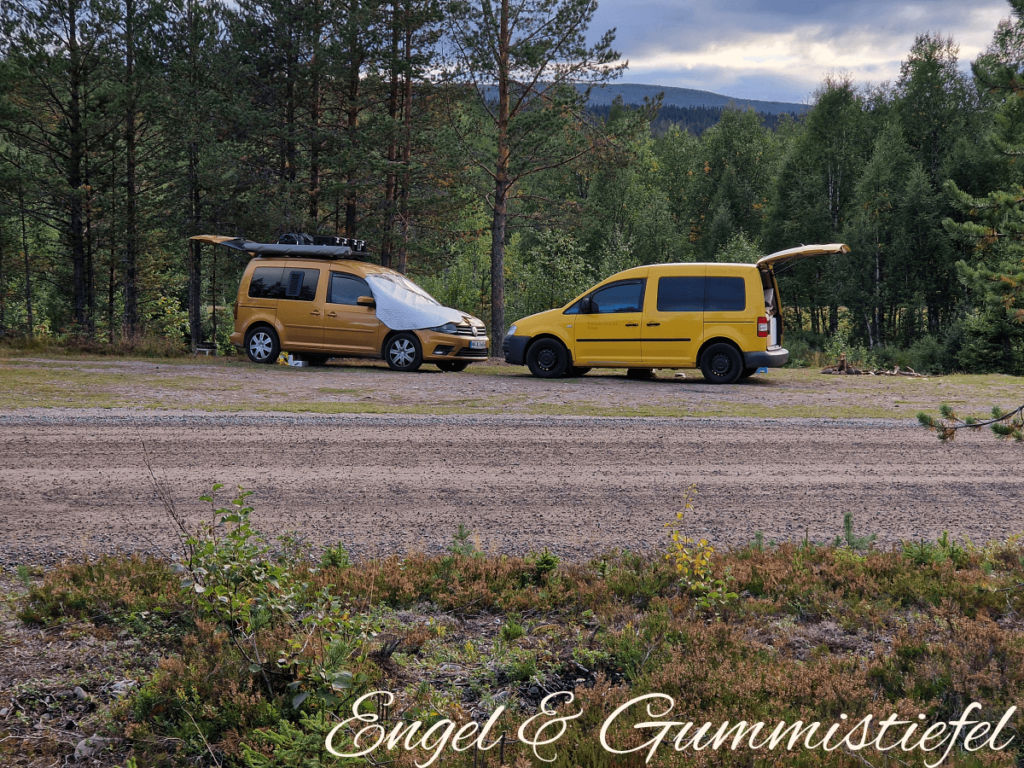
(723, 318)
(317, 302)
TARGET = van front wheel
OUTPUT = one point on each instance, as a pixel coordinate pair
(721, 364)
(547, 359)
(403, 352)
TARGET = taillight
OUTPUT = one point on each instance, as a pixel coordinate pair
(762, 327)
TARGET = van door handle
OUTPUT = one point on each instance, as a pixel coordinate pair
(651, 325)
(332, 314)
(315, 312)
(632, 325)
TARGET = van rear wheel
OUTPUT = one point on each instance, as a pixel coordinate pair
(721, 364)
(262, 345)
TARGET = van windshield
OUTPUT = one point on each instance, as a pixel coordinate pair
(405, 283)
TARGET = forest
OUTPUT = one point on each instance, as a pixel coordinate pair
(458, 149)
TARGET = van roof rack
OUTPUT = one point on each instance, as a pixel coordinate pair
(341, 248)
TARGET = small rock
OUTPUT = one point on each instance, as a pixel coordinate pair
(80, 694)
(86, 748)
(3, 712)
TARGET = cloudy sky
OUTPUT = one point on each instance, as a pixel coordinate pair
(779, 49)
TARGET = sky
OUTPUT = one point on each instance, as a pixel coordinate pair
(779, 50)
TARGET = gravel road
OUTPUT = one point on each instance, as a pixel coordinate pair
(79, 481)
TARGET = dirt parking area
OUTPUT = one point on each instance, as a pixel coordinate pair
(218, 385)
(85, 481)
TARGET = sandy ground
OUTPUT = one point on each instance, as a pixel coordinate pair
(80, 481)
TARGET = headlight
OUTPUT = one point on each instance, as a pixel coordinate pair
(511, 330)
(446, 328)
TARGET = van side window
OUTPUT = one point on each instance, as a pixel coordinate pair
(345, 289)
(267, 283)
(681, 294)
(300, 284)
(725, 294)
(618, 297)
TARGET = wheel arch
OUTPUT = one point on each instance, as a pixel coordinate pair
(717, 340)
(554, 337)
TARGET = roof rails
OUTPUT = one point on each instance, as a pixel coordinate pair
(300, 246)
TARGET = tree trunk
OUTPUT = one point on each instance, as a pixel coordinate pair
(28, 269)
(391, 180)
(500, 189)
(131, 242)
(403, 251)
(3, 290)
(76, 155)
(195, 253)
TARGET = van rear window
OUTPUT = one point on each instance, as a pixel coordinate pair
(681, 294)
(694, 294)
(725, 294)
(284, 283)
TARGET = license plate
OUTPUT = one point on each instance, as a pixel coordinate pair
(478, 344)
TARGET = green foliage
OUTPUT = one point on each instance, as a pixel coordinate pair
(462, 543)
(301, 744)
(335, 557)
(850, 540)
(544, 564)
(1004, 424)
(692, 561)
(512, 629)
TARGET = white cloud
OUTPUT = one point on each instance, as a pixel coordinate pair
(781, 49)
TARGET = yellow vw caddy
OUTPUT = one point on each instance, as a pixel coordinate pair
(317, 302)
(723, 318)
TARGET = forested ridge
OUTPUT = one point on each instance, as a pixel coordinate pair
(127, 126)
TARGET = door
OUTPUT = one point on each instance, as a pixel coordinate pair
(673, 322)
(298, 311)
(349, 328)
(609, 334)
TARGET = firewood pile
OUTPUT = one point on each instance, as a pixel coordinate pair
(844, 368)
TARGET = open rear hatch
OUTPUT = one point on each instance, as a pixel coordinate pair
(767, 265)
(801, 252)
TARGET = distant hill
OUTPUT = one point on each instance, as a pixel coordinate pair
(634, 93)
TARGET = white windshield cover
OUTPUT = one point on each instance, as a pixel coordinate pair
(404, 306)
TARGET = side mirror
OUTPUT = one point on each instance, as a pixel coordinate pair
(366, 301)
(585, 305)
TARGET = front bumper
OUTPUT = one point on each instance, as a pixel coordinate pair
(772, 358)
(445, 346)
(514, 348)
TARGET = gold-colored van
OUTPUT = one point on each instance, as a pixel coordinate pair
(723, 318)
(313, 302)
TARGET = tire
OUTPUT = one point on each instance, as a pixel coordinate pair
(403, 352)
(721, 364)
(547, 359)
(575, 370)
(747, 373)
(452, 366)
(640, 373)
(262, 345)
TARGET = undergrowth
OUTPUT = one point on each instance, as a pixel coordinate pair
(272, 644)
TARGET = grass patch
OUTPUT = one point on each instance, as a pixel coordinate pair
(221, 386)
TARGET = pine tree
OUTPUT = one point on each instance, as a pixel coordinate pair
(519, 61)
